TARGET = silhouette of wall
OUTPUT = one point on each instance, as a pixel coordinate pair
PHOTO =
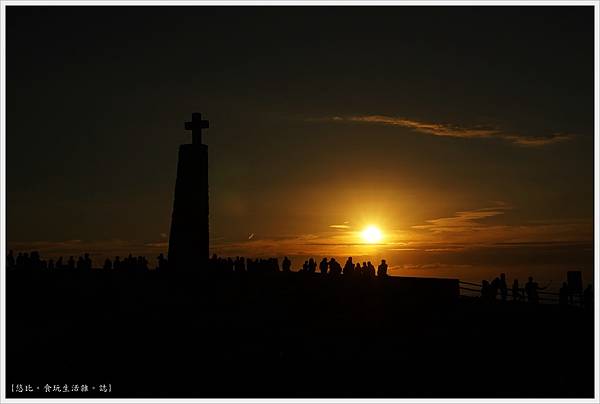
(188, 241)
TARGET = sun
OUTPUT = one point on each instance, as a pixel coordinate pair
(371, 235)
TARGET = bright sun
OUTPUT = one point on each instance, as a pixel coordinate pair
(371, 234)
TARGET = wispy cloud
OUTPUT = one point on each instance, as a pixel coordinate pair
(339, 226)
(454, 130)
(486, 227)
(467, 220)
(533, 141)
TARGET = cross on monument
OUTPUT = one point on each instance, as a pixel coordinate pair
(196, 125)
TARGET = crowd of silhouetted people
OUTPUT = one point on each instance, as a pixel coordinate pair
(33, 261)
(530, 292)
(490, 290)
(331, 266)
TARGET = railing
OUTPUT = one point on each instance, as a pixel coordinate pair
(549, 297)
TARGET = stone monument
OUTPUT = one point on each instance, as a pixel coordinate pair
(189, 240)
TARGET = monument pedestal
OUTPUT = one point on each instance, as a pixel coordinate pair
(189, 238)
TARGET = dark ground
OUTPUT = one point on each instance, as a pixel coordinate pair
(285, 335)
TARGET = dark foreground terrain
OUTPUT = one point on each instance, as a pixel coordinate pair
(285, 335)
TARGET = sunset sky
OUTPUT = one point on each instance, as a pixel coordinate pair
(465, 134)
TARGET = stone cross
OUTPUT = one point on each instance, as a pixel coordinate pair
(196, 125)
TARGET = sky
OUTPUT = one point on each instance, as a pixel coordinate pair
(464, 133)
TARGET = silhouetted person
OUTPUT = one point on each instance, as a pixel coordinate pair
(87, 261)
(312, 266)
(323, 265)
(59, 263)
(25, 261)
(107, 265)
(365, 269)
(503, 287)
(162, 262)
(563, 295)
(305, 266)
(531, 289)
(117, 264)
(494, 286)
(358, 269)
(10, 260)
(516, 292)
(382, 269)
(34, 261)
(20, 263)
(80, 263)
(334, 267)
(588, 298)
(286, 264)
(348, 266)
(239, 264)
(371, 269)
(71, 263)
(485, 291)
(129, 262)
(142, 263)
(50, 265)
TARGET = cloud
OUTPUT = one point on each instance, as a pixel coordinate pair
(533, 141)
(339, 226)
(485, 227)
(467, 220)
(457, 131)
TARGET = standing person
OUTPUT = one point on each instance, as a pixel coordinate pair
(563, 295)
(87, 261)
(494, 286)
(531, 289)
(80, 263)
(286, 265)
(162, 262)
(485, 291)
(10, 260)
(371, 269)
(335, 267)
(323, 266)
(349, 266)
(382, 269)
(516, 292)
(312, 266)
(503, 287)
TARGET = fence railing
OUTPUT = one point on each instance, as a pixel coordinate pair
(548, 297)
